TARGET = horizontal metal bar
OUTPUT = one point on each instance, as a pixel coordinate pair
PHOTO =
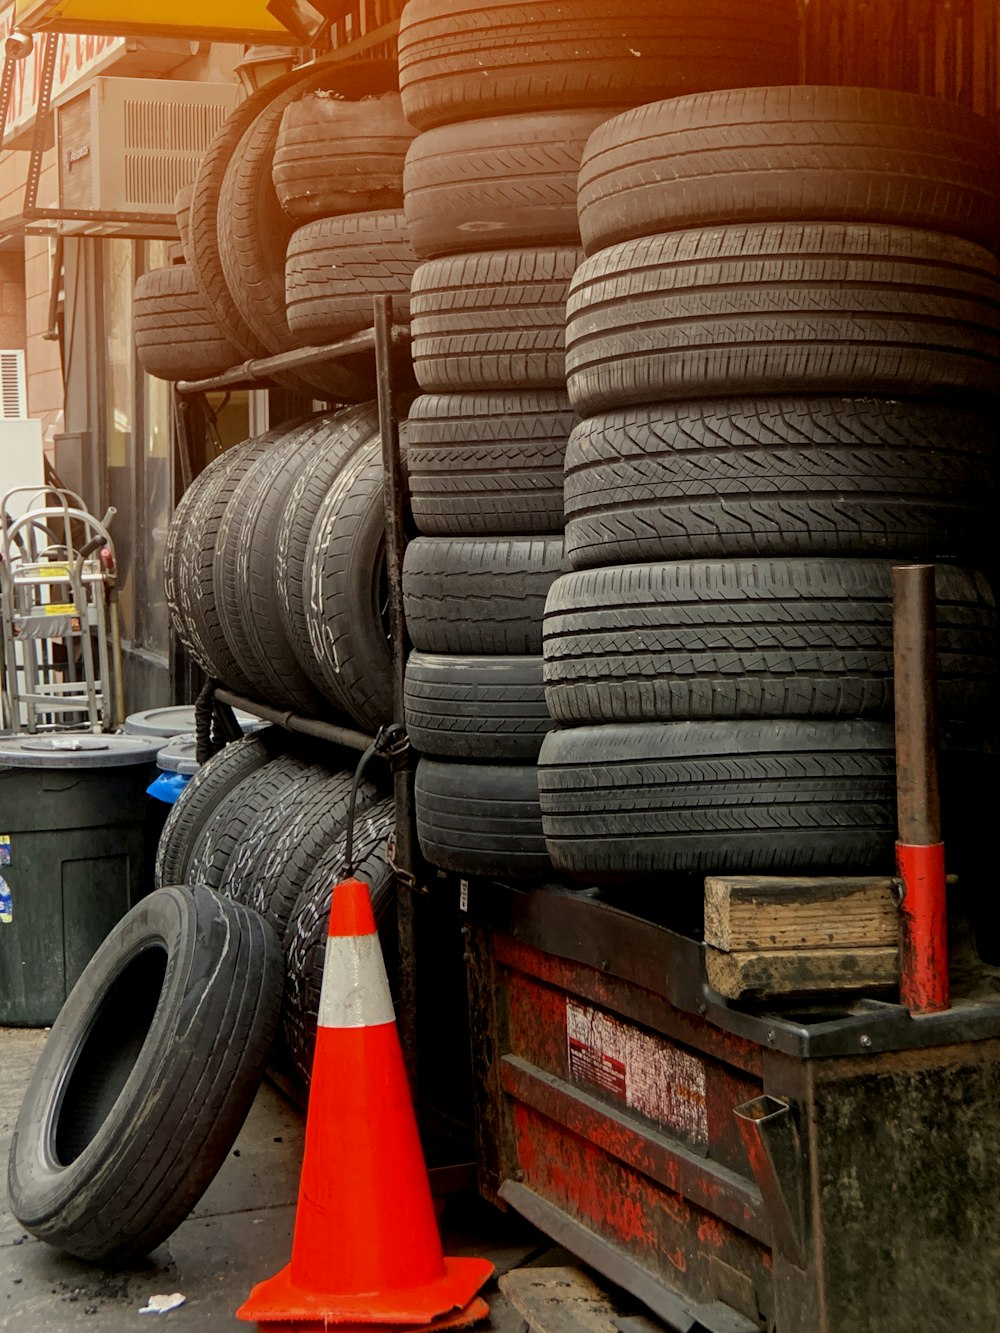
(655, 1153)
(304, 726)
(302, 358)
(100, 216)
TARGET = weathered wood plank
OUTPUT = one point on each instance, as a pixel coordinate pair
(760, 913)
(565, 1300)
(759, 975)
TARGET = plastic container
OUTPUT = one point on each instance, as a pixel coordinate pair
(178, 721)
(77, 840)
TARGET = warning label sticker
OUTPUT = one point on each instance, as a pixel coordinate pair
(647, 1073)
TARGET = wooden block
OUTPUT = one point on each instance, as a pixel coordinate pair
(761, 913)
(748, 974)
(564, 1300)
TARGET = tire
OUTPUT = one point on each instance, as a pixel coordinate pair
(492, 321)
(200, 797)
(497, 183)
(782, 308)
(782, 476)
(254, 238)
(189, 558)
(480, 819)
(354, 427)
(488, 463)
(719, 798)
(276, 856)
(801, 154)
(349, 653)
(182, 211)
(336, 266)
(175, 337)
(227, 825)
(741, 639)
(308, 926)
(245, 578)
(487, 596)
(146, 1077)
(460, 61)
(476, 707)
(332, 156)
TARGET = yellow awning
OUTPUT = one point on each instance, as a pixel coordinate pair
(201, 20)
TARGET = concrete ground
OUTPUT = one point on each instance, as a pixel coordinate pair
(239, 1233)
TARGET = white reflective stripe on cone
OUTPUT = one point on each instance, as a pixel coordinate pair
(355, 990)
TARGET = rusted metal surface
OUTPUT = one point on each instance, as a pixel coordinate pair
(304, 726)
(941, 48)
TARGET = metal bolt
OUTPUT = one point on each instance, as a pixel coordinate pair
(702, 1008)
(866, 1041)
(770, 1035)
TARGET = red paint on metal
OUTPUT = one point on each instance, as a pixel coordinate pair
(924, 985)
(711, 1232)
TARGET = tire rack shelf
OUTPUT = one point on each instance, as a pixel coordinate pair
(387, 342)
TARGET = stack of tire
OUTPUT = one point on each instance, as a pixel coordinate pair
(784, 346)
(274, 568)
(505, 95)
(263, 823)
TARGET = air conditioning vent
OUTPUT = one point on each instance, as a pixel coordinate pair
(128, 145)
(13, 398)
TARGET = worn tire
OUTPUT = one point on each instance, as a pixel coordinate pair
(460, 61)
(480, 819)
(175, 336)
(333, 156)
(782, 308)
(488, 462)
(495, 320)
(348, 653)
(146, 1077)
(807, 154)
(781, 476)
(753, 639)
(498, 183)
(308, 926)
(474, 596)
(182, 212)
(475, 707)
(336, 266)
(212, 783)
(760, 797)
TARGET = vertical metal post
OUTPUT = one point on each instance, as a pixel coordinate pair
(396, 507)
(924, 987)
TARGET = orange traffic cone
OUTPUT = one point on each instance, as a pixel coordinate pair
(366, 1247)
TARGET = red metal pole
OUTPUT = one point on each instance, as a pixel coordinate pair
(923, 944)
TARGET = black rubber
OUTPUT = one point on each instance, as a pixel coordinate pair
(198, 799)
(278, 851)
(175, 336)
(791, 154)
(480, 819)
(308, 926)
(354, 427)
(488, 462)
(182, 211)
(459, 60)
(146, 1077)
(497, 183)
(781, 476)
(754, 639)
(348, 651)
(224, 830)
(782, 308)
(333, 156)
(625, 801)
(494, 320)
(336, 266)
(475, 707)
(487, 595)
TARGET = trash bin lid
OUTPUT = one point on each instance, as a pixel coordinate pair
(178, 720)
(179, 755)
(84, 750)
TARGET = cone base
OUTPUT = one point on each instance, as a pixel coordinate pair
(278, 1300)
(476, 1310)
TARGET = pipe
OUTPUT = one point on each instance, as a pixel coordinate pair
(924, 984)
(767, 1127)
(304, 726)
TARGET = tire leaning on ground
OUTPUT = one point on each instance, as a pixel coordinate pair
(798, 153)
(146, 1077)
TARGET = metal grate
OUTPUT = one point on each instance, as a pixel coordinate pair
(13, 399)
(163, 144)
